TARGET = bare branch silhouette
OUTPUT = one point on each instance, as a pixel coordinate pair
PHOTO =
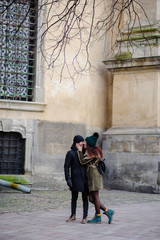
(70, 26)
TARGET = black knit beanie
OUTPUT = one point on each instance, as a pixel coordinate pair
(78, 139)
(92, 139)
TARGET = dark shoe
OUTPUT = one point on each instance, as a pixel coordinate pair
(84, 220)
(109, 213)
(71, 219)
(95, 219)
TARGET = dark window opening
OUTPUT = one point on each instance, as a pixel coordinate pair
(18, 31)
(12, 153)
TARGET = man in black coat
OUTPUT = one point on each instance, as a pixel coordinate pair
(75, 175)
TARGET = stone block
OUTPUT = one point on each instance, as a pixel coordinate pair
(139, 147)
(132, 165)
(150, 139)
(153, 147)
(127, 146)
(116, 147)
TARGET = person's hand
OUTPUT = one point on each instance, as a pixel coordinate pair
(79, 147)
(69, 183)
(85, 144)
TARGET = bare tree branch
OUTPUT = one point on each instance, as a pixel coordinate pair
(75, 24)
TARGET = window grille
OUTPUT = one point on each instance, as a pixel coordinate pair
(12, 153)
(18, 26)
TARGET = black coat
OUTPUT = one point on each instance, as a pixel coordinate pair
(75, 173)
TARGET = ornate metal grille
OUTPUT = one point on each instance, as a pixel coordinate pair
(12, 153)
(18, 25)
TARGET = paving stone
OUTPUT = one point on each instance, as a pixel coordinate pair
(137, 217)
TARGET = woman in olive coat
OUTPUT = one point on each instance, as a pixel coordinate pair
(91, 158)
(75, 175)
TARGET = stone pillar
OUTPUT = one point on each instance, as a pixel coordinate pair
(132, 145)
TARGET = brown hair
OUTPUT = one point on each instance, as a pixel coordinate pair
(94, 151)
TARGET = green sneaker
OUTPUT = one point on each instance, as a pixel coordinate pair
(109, 213)
(95, 219)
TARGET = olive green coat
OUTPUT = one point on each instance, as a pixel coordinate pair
(95, 181)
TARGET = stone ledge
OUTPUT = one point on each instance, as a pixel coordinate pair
(115, 65)
(132, 131)
(22, 106)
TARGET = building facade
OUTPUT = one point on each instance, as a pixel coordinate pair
(132, 144)
(39, 116)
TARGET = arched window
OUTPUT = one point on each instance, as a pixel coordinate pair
(12, 153)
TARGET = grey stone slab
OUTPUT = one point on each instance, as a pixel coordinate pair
(136, 217)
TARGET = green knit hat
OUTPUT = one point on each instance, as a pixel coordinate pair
(92, 139)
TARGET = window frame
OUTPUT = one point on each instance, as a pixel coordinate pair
(37, 104)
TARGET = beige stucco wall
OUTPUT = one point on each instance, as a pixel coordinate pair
(63, 107)
(83, 98)
(158, 100)
(82, 101)
(136, 83)
(79, 100)
(147, 12)
(136, 99)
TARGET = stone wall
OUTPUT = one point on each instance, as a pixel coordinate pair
(46, 144)
(52, 140)
(132, 159)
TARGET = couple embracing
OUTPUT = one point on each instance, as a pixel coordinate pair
(82, 175)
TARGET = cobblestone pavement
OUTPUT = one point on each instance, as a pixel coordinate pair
(42, 214)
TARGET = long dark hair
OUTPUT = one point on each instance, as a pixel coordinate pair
(94, 151)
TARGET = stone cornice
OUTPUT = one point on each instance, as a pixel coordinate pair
(22, 106)
(132, 131)
(115, 65)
